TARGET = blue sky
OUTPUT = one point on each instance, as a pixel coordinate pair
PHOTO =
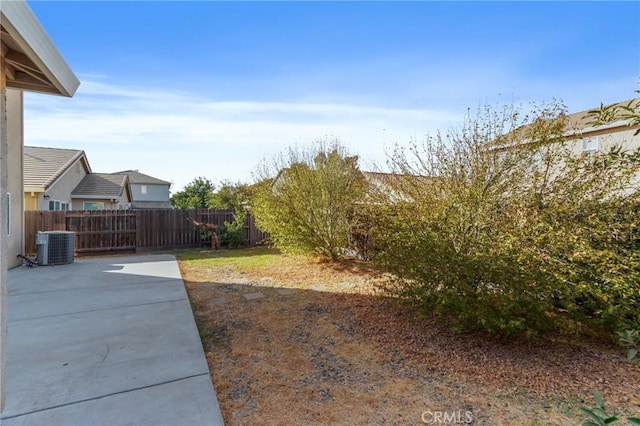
(182, 89)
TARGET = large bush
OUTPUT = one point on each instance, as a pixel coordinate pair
(504, 228)
(195, 195)
(308, 205)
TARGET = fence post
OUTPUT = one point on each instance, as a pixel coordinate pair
(110, 230)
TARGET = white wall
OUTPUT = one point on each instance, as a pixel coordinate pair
(62, 188)
(154, 192)
(15, 135)
(108, 205)
(606, 140)
(623, 136)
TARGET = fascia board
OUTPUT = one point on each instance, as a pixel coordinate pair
(18, 18)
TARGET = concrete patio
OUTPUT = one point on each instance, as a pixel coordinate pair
(105, 341)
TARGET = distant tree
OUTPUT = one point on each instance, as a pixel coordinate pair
(196, 195)
(234, 196)
(310, 204)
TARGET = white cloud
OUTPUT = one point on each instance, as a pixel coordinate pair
(178, 136)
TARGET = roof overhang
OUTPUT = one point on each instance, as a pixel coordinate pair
(32, 61)
(34, 189)
(95, 197)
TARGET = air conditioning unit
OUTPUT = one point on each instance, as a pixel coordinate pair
(55, 247)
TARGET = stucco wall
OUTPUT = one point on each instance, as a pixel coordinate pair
(14, 185)
(607, 139)
(108, 205)
(31, 201)
(154, 192)
(60, 190)
(77, 203)
(624, 137)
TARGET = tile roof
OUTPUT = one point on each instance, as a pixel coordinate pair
(43, 166)
(103, 185)
(140, 178)
(577, 124)
(582, 120)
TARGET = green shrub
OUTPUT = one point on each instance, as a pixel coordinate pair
(232, 233)
(631, 340)
(308, 207)
(510, 240)
(600, 416)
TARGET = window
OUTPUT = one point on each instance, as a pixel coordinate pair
(590, 144)
(95, 205)
(55, 205)
(143, 189)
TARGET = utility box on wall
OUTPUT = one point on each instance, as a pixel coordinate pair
(55, 247)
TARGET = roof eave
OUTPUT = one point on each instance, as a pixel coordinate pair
(80, 156)
(608, 126)
(34, 189)
(95, 197)
(27, 32)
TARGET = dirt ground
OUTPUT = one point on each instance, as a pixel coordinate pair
(291, 340)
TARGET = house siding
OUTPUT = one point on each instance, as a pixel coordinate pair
(77, 203)
(622, 136)
(15, 240)
(154, 192)
(31, 201)
(61, 189)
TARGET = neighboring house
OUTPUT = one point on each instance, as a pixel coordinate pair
(102, 191)
(587, 138)
(148, 192)
(582, 137)
(393, 187)
(29, 61)
(50, 175)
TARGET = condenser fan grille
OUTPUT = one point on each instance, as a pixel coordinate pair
(55, 247)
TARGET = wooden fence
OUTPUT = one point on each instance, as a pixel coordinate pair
(133, 230)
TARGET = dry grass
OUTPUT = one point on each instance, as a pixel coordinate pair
(334, 352)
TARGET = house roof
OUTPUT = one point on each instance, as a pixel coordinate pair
(577, 125)
(43, 166)
(397, 179)
(32, 61)
(395, 185)
(102, 186)
(583, 122)
(135, 177)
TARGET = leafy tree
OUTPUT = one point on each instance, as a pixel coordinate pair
(507, 230)
(309, 206)
(195, 195)
(235, 197)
